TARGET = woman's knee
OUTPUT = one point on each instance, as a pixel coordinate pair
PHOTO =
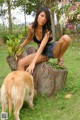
(20, 63)
(66, 38)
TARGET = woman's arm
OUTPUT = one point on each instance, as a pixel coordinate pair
(29, 36)
(39, 51)
(42, 46)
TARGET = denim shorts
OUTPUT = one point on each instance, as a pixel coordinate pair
(48, 50)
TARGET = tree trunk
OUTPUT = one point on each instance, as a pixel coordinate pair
(58, 32)
(9, 13)
(49, 4)
(25, 16)
(53, 25)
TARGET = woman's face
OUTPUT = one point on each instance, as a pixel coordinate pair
(41, 19)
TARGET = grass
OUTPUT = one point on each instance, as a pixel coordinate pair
(57, 107)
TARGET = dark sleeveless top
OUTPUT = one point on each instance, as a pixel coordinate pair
(39, 41)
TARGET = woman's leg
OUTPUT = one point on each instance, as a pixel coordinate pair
(61, 47)
(25, 61)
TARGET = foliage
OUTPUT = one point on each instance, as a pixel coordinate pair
(13, 46)
(76, 0)
(74, 15)
(4, 36)
(67, 14)
(17, 30)
(1, 1)
(28, 5)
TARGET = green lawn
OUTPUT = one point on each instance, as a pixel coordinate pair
(56, 107)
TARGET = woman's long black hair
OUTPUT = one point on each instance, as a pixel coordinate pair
(47, 25)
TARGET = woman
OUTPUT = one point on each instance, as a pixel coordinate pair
(40, 31)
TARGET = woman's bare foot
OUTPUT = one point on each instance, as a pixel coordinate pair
(61, 62)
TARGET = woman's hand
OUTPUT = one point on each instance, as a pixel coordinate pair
(48, 34)
(30, 68)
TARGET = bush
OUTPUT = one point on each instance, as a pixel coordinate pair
(17, 30)
(14, 49)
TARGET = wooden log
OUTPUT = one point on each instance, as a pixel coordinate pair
(47, 80)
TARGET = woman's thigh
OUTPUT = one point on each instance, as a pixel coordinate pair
(25, 61)
(56, 50)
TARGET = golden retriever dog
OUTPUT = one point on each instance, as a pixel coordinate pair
(17, 87)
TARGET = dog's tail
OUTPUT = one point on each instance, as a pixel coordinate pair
(6, 99)
(9, 102)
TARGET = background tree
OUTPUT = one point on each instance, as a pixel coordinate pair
(28, 6)
(2, 11)
(8, 3)
(9, 13)
(50, 4)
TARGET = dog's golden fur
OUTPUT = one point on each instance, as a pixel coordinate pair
(17, 87)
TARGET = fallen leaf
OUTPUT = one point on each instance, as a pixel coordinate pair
(68, 96)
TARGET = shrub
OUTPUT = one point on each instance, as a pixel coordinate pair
(14, 49)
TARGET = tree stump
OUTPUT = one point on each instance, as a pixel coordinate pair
(47, 80)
